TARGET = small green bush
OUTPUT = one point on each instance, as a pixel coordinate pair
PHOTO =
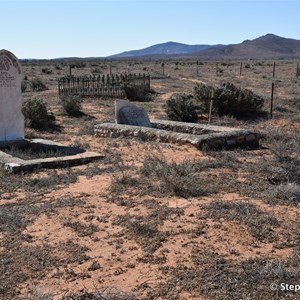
(71, 105)
(182, 108)
(36, 114)
(202, 95)
(46, 71)
(135, 92)
(37, 85)
(24, 85)
(179, 179)
(230, 100)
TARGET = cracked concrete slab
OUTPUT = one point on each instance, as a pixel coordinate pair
(71, 156)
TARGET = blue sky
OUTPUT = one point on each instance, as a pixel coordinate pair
(65, 28)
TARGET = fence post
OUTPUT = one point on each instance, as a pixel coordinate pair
(163, 68)
(217, 69)
(241, 68)
(58, 87)
(297, 71)
(210, 105)
(69, 85)
(197, 68)
(271, 104)
(272, 93)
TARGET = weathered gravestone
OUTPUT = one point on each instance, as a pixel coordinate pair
(130, 114)
(11, 117)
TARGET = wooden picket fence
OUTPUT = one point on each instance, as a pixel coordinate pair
(101, 86)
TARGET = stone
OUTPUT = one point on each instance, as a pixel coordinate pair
(130, 114)
(219, 138)
(295, 198)
(11, 117)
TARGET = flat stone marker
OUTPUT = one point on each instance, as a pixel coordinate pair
(131, 114)
(11, 117)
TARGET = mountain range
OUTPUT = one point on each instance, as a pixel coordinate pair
(264, 47)
(169, 48)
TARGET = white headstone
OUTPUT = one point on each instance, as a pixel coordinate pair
(131, 114)
(11, 117)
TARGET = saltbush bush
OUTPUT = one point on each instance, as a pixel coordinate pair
(230, 100)
(179, 179)
(47, 71)
(36, 114)
(71, 105)
(135, 92)
(24, 85)
(37, 85)
(182, 108)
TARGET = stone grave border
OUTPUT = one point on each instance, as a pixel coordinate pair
(16, 165)
(203, 136)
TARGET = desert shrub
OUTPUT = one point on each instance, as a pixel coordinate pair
(282, 108)
(179, 179)
(36, 114)
(286, 191)
(203, 94)
(46, 71)
(160, 178)
(24, 85)
(230, 100)
(135, 92)
(238, 277)
(282, 170)
(37, 85)
(87, 128)
(285, 167)
(182, 108)
(71, 105)
(78, 65)
(96, 71)
(296, 103)
(260, 224)
(106, 294)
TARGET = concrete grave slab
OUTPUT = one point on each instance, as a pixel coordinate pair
(61, 155)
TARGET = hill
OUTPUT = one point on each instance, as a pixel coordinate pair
(267, 46)
(165, 49)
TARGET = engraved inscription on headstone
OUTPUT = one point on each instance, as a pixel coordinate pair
(11, 117)
(130, 114)
(6, 80)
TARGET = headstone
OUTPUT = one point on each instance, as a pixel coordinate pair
(11, 117)
(131, 114)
